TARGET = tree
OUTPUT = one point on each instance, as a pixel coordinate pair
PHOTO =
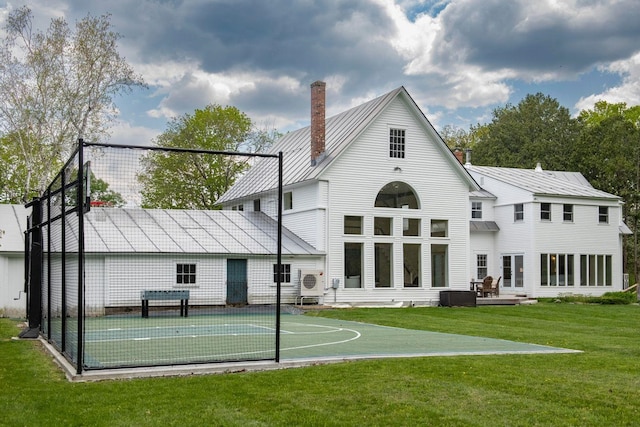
(56, 87)
(100, 192)
(196, 181)
(456, 137)
(608, 155)
(603, 110)
(538, 129)
(15, 171)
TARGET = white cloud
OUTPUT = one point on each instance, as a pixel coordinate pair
(628, 91)
(124, 133)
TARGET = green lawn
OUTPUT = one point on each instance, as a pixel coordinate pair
(598, 387)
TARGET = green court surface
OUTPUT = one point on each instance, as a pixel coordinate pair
(129, 341)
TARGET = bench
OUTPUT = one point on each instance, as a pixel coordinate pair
(177, 294)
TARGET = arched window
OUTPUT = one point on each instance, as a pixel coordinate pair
(397, 194)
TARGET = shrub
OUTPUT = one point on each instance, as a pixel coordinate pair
(609, 298)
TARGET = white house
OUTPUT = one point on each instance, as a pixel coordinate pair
(554, 233)
(376, 189)
(13, 220)
(400, 219)
(374, 204)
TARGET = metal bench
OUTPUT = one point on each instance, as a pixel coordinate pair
(177, 294)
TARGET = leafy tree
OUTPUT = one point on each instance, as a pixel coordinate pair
(55, 87)
(456, 137)
(608, 155)
(196, 181)
(603, 110)
(538, 129)
(100, 192)
(15, 169)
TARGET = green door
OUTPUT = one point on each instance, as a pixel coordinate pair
(236, 281)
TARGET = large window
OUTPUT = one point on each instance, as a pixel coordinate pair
(411, 257)
(557, 270)
(285, 273)
(396, 143)
(185, 274)
(603, 214)
(545, 211)
(481, 266)
(439, 266)
(383, 264)
(476, 210)
(352, 265)
(596, 270)
(518, 212)
(397, 195)
(352, 224)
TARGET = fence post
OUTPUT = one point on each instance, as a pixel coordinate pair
(82, 199)
(34, 268)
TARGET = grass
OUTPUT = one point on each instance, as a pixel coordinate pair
(598, 387)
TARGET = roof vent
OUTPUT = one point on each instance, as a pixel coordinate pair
(538, 167)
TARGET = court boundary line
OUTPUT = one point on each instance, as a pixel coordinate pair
(255, 366)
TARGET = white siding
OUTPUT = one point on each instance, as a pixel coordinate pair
(126, 275)
(12, 300)
(442, 195)
(484, 243)
(533, 236)
(307, 217)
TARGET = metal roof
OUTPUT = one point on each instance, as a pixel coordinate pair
(482, 194)
(624, 229)
(539, 182)
(483, 226)
(13, 221)
(340, 131)
(109, 230)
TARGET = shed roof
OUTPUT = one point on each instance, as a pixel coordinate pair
(483, 226)
(540, 182)
(109, 230)
(13, 221)
(340, 131)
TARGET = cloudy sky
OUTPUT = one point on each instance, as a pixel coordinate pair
(459, 59)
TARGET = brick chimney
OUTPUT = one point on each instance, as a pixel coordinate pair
(458, 153)
(317, 120)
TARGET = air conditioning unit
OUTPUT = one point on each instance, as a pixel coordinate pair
(311, 283)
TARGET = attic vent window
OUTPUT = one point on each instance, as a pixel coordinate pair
(396, 143)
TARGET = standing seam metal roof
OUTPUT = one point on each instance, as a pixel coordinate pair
(340, 131)
(552, 183)
(110, 230)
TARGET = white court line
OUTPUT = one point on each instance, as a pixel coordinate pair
(215, 357)
(330, 330)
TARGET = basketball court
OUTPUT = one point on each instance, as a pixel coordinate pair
(111, 342)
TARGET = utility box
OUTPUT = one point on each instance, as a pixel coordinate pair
(457, 298)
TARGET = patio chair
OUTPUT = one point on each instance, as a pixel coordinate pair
(495, 286)
(486, 286)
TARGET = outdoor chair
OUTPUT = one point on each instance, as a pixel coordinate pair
(486, 286)
(495, 286)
